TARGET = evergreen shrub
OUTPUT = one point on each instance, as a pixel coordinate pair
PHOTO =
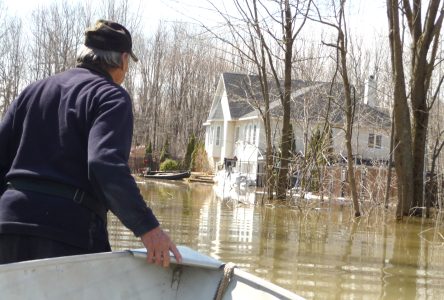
(169, 165)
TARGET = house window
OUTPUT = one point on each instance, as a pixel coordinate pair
(247, 133)
(217, 135)
(236, 135)
(371, 140)
(378, 143)
(374, 141)
(254, 134)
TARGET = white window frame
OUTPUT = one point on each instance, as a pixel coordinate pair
(374, 141)
(378, 141)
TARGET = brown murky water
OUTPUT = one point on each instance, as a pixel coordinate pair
(316, 252)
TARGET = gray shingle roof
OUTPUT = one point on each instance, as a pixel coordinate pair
(244, 94)
(239, 88)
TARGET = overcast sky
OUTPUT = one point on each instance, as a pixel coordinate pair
(366, 17)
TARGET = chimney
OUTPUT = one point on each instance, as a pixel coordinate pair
(370, 91)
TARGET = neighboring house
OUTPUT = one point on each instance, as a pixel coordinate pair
(235, 130)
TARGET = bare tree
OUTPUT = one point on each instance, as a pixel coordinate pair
(12, 62)
(178, 71)
(121, 11)
(250, 45)
(435, 147)
(410, 133)
(56, 35)
(341, 47)
(172, 86)
(288, 17)
(264, 35)
(150, 86)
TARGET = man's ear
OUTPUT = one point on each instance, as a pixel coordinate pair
(124, 57)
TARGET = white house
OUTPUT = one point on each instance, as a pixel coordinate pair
(234, 128)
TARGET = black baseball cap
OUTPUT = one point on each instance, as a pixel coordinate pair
(110, 36)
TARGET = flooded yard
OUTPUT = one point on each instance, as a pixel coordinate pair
(318, 251)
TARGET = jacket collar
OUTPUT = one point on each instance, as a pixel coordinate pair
(96, 69)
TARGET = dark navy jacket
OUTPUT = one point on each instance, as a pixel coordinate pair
(73, 128)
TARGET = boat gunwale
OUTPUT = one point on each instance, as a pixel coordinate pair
(190, 258)
(269, 286)
(63, 260)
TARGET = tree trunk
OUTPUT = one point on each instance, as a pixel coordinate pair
(419, 143)
(403, 137)
(389, 167)
(282, 183)
(269, 167)
(403, 153)
(269, 183)
(349, 108)
(349, 112)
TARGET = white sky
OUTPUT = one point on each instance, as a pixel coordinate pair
(366, 17)
(152, 10)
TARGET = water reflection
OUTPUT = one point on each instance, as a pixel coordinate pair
(317, 253)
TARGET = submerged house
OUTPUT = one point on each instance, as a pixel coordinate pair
(235, 130)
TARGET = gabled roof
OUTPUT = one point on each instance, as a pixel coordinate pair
(309, 100)
(241, 89)
(218, 113)
(244, 92)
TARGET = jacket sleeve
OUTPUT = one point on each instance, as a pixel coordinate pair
(6, 126)
(109, 145)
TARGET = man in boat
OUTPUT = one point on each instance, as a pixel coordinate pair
(64, 149)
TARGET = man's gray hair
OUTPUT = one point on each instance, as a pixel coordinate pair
(101, 58)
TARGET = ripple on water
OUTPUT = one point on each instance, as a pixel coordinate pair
(321, 255)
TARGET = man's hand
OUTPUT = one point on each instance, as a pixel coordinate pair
(159, 244)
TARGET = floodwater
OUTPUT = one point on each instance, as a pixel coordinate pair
(317, 251)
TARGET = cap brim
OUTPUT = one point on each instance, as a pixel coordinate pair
(133, 56)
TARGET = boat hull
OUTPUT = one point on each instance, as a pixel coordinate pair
(126, 275)
(167, 175)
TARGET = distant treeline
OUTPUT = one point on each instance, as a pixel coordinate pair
(172, 86)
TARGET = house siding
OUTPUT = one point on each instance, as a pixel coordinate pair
(228, 148)
(213, 145)
(360, 144)
(245, 149)
(236, 119)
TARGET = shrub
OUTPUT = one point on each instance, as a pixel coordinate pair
(169, 165)
(199, 160)
(165, 153)
(186, 163)
(148, 158)
(149, 150)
